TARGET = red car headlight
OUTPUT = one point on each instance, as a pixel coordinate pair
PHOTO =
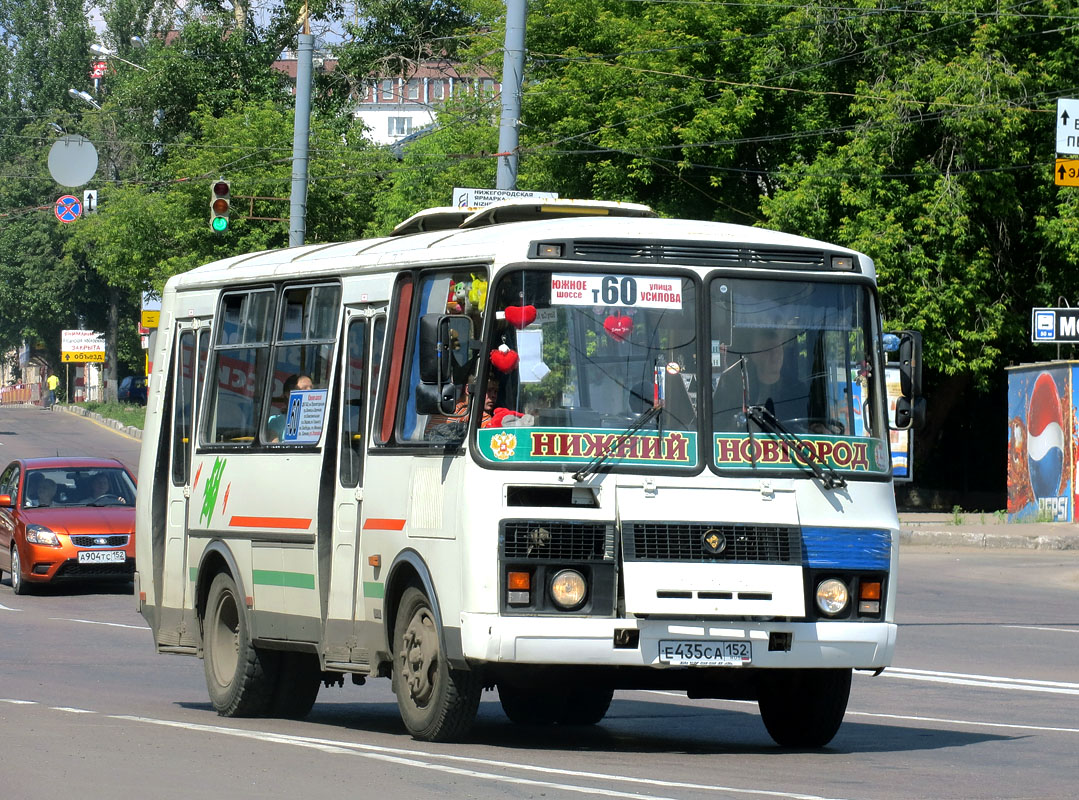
(39, 534)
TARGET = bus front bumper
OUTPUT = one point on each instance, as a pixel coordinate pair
(582, 641)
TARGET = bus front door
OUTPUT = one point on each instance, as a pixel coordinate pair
(344, 608)
(179, 626)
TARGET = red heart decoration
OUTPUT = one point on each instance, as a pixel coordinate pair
(618, 327)
(504, 360)
(520, 316)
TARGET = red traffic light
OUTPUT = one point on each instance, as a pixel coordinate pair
(221, 189)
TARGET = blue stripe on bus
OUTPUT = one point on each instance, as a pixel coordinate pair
(846, 548)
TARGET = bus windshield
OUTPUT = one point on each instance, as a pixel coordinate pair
(577, 358)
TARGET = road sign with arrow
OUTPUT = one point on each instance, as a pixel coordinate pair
(1067, 126)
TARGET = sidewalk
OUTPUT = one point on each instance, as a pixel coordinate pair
(985, 531)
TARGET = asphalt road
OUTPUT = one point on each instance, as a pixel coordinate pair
(982, 702)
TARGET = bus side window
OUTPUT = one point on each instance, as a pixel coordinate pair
(183, 388)
(440, 293)
(353, 422)
(303, 350)
(241, 364)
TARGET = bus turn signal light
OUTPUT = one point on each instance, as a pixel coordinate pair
(869, 597)
(518, 587)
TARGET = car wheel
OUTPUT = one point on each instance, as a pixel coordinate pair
(18, 585)
(239, 676)
(437, 703)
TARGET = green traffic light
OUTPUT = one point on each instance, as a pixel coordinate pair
(219, 224)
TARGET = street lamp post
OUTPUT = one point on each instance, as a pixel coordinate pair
(101, 50)
(84, 96)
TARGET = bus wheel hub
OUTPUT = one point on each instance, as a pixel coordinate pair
(419, 656)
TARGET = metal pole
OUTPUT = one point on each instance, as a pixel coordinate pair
(297, 225)
(512, 72)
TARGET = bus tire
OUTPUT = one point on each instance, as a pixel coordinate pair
(586, 705)
(528, 706)
(240, 677)
(437, 703)
(298, 681)
(803, 707)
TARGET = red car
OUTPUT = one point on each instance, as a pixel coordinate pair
(66, 519)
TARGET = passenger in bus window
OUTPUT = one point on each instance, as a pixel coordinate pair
(275, 425)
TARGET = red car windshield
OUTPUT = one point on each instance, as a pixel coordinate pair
(60, 486)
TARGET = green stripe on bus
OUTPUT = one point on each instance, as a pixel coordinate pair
(273, 577)
(194, 574)
(374, 589)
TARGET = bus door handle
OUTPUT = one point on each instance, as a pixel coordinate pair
(359, 494)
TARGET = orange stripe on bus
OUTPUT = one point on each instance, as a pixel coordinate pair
(291, 523)
(375, 524)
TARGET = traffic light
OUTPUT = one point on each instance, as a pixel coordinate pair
(220, 202)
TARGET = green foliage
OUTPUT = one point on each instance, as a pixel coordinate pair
(129, 414)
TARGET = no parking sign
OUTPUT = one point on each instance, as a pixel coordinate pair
(68, 208)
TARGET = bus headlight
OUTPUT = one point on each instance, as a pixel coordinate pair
(568, 589)
(832, 596)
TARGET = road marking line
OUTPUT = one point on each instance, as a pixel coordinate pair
(965, 722)
(95, 622)
(409, 758)
(990, 681)
(18, 702)
(72, 710)
(5, 608)
(1040, 628)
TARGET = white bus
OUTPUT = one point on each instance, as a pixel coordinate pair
(558, 449)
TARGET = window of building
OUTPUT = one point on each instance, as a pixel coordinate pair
(488, 86)
(399, 126)
(387, 89)
(437, 89)
(414, 89)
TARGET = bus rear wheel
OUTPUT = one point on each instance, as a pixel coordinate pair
(803, 707)
(437, 703)
(239, 676)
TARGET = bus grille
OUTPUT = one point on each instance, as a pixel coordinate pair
(696, 254)
(685, 541)
(563, 540)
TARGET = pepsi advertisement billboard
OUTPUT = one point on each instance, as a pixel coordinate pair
(1042, 440)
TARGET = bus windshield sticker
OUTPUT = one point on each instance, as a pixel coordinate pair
(767, 451)
(579, 446)
(303, 420)
(616, 291)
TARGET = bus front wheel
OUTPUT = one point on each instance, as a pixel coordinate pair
(239, 676)
(803, 707)
(437, 703)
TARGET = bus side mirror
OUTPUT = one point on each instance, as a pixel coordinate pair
(910, 406)
(445, 353)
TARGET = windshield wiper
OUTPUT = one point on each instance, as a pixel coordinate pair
(767, 420)
(597, 461)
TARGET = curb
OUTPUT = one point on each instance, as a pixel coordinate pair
(987, 541)
(126, 430)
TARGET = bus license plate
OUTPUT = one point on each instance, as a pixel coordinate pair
(102, 556)
(697, 652)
